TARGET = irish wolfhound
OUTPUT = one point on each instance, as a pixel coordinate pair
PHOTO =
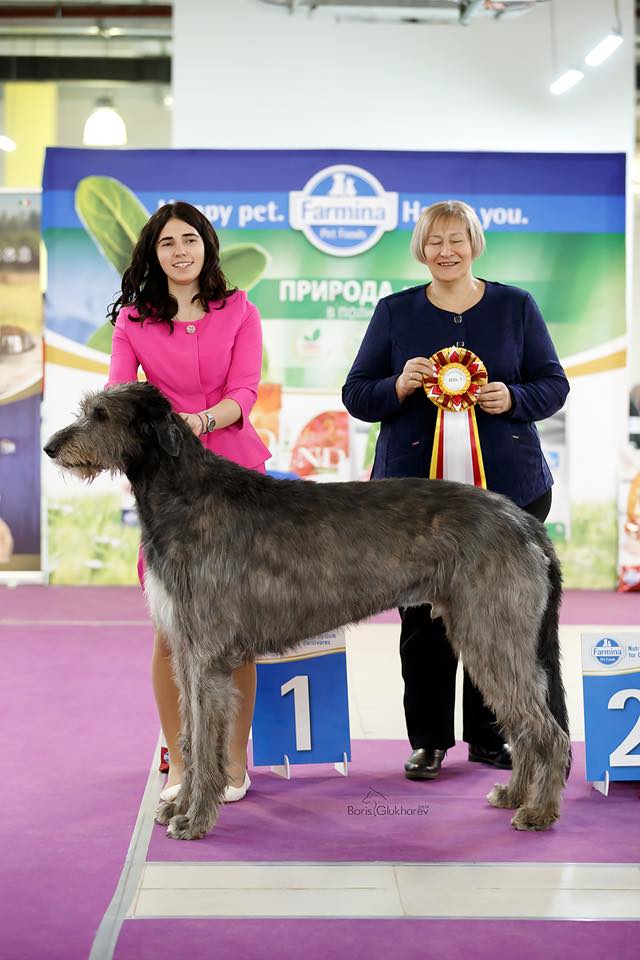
(239, 565)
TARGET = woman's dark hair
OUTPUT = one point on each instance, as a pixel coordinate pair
(144, 282)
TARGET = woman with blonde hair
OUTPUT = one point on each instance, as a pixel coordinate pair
(503, 327)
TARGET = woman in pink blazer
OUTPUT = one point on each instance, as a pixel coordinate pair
(200, 343)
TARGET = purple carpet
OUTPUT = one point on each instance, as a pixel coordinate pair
(78, 707)
(377, 939)
(127, 603)
(72, 603)
(320, 815)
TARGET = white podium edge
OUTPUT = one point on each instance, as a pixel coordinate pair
(284, 769)
(602, 786)
(343, 766)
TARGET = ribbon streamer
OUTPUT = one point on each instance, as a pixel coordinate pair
(456, 453)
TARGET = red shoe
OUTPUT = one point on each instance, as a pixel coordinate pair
(164, 760)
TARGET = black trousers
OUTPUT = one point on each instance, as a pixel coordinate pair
(429, 668)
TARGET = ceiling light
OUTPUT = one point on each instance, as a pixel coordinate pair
(104, 127)
(566, 81)
(7, 144)
(603, 50)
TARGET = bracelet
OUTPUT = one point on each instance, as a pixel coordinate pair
(203, 425)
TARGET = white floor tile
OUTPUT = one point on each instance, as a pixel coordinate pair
(267, 890)
(520, 890)
(514, 890)
(271, 876)
(500, 903)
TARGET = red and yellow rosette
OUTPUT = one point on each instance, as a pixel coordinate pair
(456, 453)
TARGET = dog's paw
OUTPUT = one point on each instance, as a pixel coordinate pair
(183, 828)
(528, 819)
(501, 797)
(164, 812)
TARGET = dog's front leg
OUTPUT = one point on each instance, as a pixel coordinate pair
(211, 700)
(166, 811)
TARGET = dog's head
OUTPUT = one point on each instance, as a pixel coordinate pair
(115, 429)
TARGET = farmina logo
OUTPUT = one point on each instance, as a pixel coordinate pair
(343, 210)
(607, 651)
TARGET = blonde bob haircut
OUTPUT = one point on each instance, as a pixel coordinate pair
(443, 210)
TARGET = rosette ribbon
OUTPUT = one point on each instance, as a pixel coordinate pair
(456, 453)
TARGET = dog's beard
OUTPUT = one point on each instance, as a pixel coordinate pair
(86, 472)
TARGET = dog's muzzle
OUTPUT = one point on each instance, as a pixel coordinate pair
(52, 447)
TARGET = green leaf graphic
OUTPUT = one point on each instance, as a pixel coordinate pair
(112, 216)
(243, 264)
(101, 338)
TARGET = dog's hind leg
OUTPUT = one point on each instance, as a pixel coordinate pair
(211, 702)
(540, 749)
(547, 746)
(550, 740)
(539, 728)
(502, 663)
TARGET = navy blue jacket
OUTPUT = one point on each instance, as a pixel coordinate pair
(506, 330)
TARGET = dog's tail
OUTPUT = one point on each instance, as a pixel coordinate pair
(549, 646)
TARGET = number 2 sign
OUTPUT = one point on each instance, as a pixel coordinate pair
(611, 685)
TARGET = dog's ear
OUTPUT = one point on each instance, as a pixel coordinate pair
(167, 434)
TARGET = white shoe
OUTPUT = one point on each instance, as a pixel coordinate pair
(169, 794)
(231, 793)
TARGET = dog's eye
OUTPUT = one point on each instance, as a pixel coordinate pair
(100, 414)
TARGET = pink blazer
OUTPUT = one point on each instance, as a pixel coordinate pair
(199, 364)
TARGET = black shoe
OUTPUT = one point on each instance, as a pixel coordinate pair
(500, 758)
(424, 764)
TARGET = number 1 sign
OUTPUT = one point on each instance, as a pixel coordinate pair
(302, 712)
(611, 685)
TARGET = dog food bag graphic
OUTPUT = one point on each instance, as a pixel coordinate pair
(321, 449)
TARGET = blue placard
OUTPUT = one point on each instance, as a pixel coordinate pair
(302, 709)
(611, 685)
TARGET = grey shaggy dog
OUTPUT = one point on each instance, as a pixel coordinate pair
(239, 565)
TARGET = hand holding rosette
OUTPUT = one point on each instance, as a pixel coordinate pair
(413, 376)
(454, 388)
